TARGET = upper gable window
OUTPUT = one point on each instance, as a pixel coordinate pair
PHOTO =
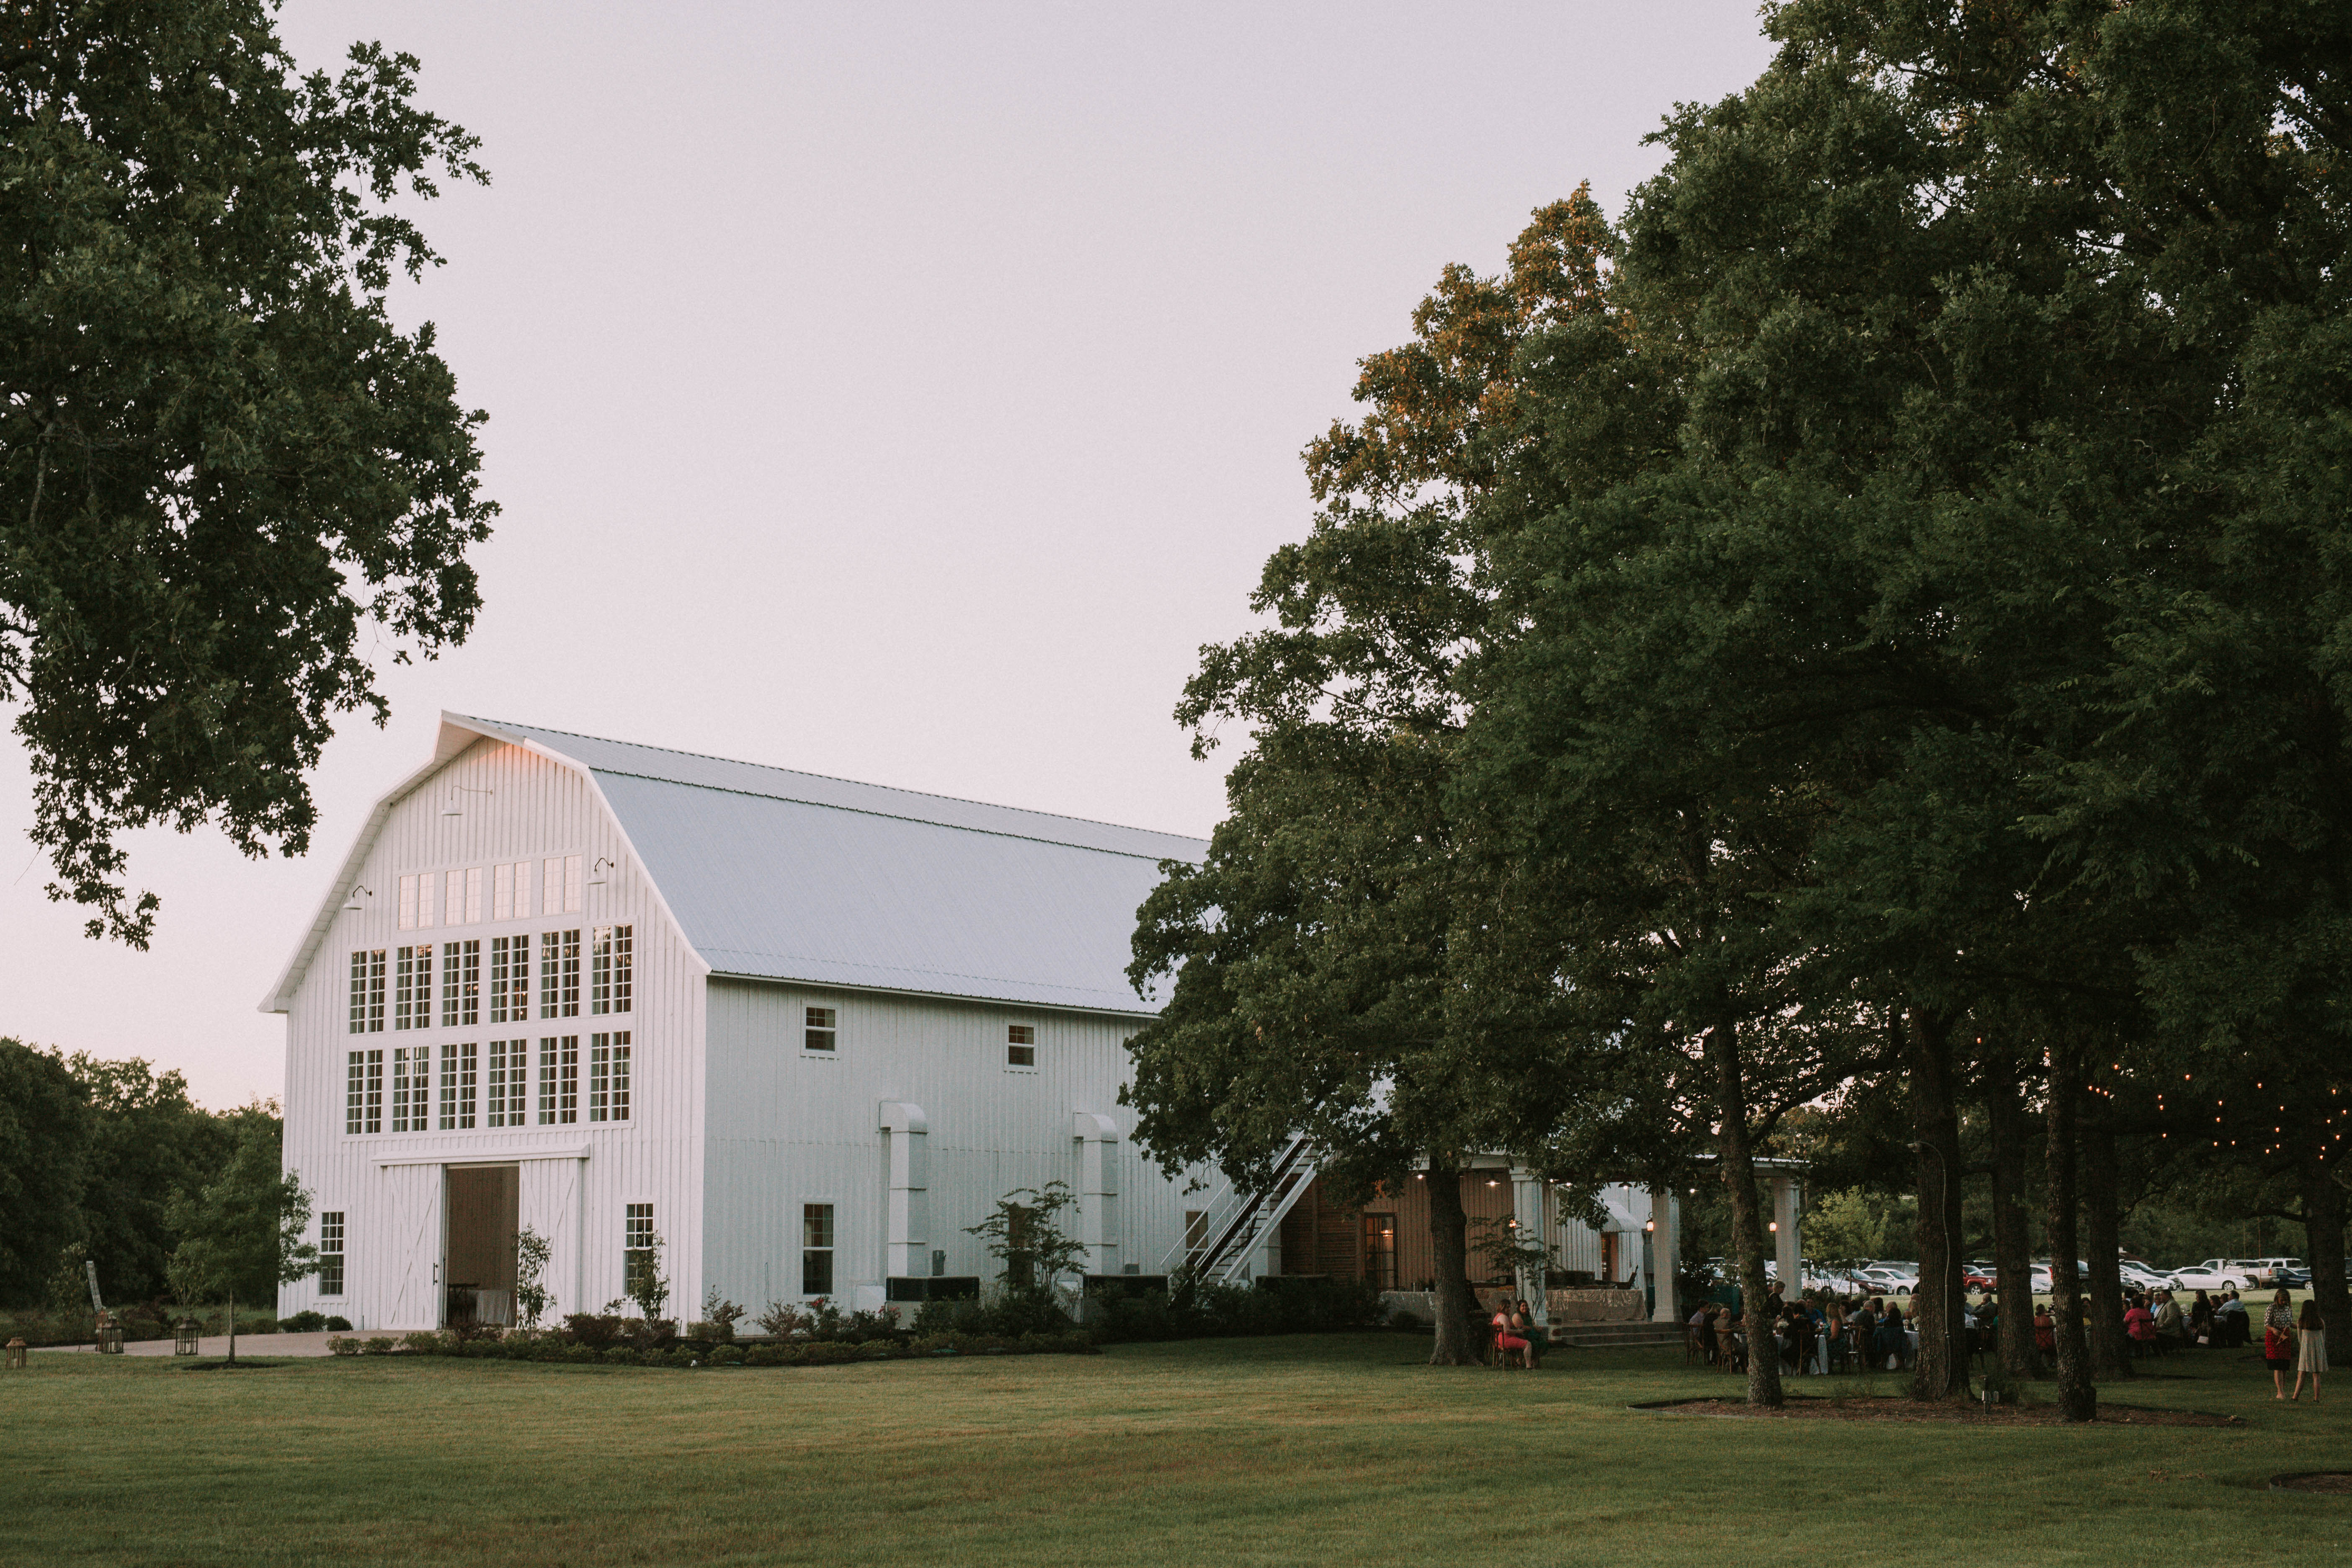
(1020, 1045)
(822, 1031)
(563, 884)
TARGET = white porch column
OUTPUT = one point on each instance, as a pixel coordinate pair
(1098, 1139)
(907, 1206)
(1785, 1251)
(1665, 1242)
(1531, 1207)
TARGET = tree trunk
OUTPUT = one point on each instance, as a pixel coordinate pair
(2077, 1397)
(1942, 1369)
(2323, 1219)
(1739, 1167)
(2012, 1240)
(2102, 1222)
(1458, 1339)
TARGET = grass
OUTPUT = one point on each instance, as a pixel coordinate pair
(1307, 1449)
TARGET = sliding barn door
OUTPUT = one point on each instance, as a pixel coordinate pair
(416, 1246)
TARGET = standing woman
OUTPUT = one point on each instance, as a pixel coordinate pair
(2278, 1341)
(2312, 1330)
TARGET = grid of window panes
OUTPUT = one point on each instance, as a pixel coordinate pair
(509, 1084)
(459, 1066)
(510, 979)
(461, 984)
(1021, 1044)
(559, 974)
(330, 1252)
(367, 992)
(612, 969)
(412, 987)
(822, 1033)
(559, 1079)
(608, 1076)
(816, 1249)
(412, 1083)
(363, 1101)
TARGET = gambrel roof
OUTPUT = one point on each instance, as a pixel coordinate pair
(777, 875)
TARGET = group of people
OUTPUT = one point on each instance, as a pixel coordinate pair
(1516, 1334)
(1873, 1333)
(1807, 1336)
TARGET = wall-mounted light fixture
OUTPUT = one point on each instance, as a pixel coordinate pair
(450, 806)
(352, 904)
(596, 872)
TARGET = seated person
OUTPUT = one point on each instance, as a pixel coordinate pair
(2045, 1331)
(1890, 1347)
(2170, 1327)
(2139, 1323)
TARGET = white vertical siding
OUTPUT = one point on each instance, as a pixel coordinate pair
(788, 1127)
(533, 808)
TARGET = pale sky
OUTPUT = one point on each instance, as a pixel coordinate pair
(902, 393)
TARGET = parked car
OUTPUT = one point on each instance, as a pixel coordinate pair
(2274, 1267)
(1887, 1279)
(2216, 1274)
(2138, 1279)
(1979, 1277)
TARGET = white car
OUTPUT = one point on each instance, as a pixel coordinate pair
(1888, 1280)
(2216, 1274)
(2138, 1278)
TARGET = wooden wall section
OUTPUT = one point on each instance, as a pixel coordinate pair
(1320, 1237)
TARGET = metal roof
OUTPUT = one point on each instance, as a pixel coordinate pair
(779, 875)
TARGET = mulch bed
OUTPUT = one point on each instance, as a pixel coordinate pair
(2333, 1483)
(1866, 1407)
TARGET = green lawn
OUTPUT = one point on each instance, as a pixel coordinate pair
(1286, 1451)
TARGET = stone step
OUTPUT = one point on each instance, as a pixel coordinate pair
(1615, 1336)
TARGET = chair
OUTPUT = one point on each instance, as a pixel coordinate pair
(1695, 1345)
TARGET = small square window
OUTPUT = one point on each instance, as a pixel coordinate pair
(1020, 1045)
(821, 1032)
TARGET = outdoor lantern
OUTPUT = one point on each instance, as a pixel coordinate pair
(109, 1335)
(184, 1337)
(1774, 1225)
(17, 1352)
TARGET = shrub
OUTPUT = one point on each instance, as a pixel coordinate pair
(377, 1345)
(338, 1325)
(341, 1346)
(424, 1341)
(303, 1322)
(594, 1330)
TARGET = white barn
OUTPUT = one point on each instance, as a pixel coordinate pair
(807, 1031)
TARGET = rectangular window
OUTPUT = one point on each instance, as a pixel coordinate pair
(412, 986)
(502, 882)
(608, 1076)
(563, 881)
(330, 1252)
(453, 905)
(559, 974)
(1020, 1045)
(612, 969)
(822, 1034)
(427, 881)
(458, 1065)
(473, 897)
(816, 1249)
(364, 1103)
(367, 992)
(412, 1087)
(1380, 1251)
(559, 1079)
(461, 984)
(408, 903)
(638, 1240)
(1196, 1236)
(510, 1084)
(510, 979)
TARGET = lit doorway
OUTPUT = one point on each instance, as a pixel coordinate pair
(484, 1205)
(1380, 1251)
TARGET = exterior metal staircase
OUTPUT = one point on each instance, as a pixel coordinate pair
(1221, 1250)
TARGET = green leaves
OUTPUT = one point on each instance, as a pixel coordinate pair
(220, 462)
